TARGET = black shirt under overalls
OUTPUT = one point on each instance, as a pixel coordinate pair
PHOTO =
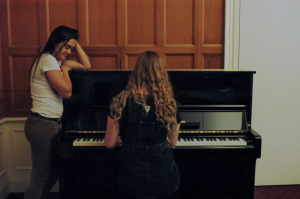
(146, 163)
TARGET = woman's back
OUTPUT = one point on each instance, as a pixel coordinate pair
(139, 125)
(147, 125)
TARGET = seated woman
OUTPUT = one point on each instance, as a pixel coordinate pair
(145, 121)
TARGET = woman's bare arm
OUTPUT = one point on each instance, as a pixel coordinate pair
(173, 135)
(112, 133)
(60, 81)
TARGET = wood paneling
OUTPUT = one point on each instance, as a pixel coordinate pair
(213, 21)
(140, 22)
(102, 22)
(20, 95)
(131, 60)
(62, 12)
(179, 61)
(104, 61)
(188, 34)
(23, 23)
(179, 22)
(213, 61)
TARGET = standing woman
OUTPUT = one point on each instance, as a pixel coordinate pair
(49, 84)
(145, 119)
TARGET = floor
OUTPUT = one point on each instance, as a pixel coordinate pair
(260, 192)
(277, 192)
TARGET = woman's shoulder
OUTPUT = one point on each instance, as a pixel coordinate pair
(48, 62)
(47, 56)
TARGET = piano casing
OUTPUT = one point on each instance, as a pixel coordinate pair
(216, 110)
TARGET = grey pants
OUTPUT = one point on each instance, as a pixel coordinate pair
(43, 136)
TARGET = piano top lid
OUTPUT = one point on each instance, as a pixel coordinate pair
(170, 70)
(208, 86)
(193, 87)
(211, 70)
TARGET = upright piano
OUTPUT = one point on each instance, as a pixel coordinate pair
(216, 150)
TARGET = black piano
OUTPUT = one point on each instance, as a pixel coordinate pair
(216, 151)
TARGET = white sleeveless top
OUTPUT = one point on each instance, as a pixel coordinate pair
(45, 99)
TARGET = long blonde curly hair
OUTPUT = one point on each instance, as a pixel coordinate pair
(149, 73)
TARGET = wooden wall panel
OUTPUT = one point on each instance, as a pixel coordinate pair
(102, 23)
(20, 97)
(22, 19)
(213, 16)
(179, 22)
(140, 23)
(179, 61)
(131, 60)
(213, 61)
(62, 12)
(104, 62)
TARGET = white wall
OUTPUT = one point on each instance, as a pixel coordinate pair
(270, 45)
(4, 181)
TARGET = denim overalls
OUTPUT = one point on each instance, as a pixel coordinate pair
(146, 165)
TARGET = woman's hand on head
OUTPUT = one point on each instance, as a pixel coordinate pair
(83, 59)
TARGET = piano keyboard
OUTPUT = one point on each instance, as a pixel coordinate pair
(211, 142)
(180, 132)
(92, 142)
(85, 132)
(196, 132)
(88, 142)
